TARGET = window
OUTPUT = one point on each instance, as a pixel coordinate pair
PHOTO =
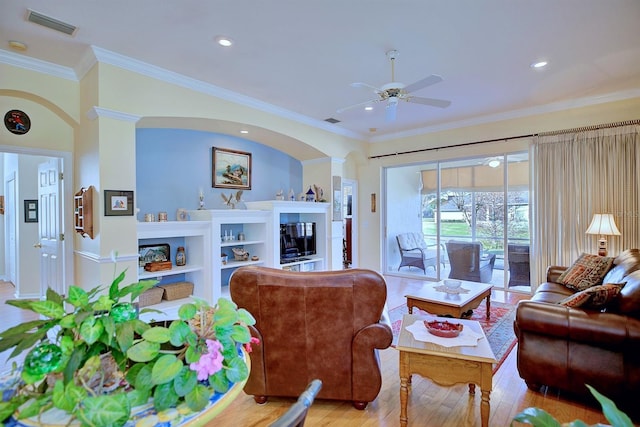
(474, 200)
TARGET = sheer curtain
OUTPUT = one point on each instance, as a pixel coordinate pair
(574, 176)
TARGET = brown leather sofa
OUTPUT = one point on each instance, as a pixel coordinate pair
(325, 325)
(566, 348)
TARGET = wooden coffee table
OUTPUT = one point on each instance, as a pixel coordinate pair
(445, 365)
(443, 303)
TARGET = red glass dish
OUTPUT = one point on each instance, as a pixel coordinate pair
(443, 329)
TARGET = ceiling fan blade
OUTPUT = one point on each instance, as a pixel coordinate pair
(440, 103)
(391, 111)
(427, 81)
(361, 104)
(366, 86)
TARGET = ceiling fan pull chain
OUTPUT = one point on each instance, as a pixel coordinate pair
(393, 69)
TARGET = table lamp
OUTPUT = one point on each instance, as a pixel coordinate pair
(603, 225)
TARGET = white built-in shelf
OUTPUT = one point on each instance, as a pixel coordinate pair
(240, 243)
(143, 274)
(197, 243)
(253, 224)
(305, 212)
(307, 260)
(236, 264)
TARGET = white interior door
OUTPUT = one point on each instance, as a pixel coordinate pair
(50, 227)
(10, 229)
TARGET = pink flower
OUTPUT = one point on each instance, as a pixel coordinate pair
(248, 347)
(210, 362)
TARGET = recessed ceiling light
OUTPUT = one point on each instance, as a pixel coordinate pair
(539, 64)
(244, 131)
(16, 45)
(224, 41)
(368, 108)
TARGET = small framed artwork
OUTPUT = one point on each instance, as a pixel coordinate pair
(118, 203)
(30, 211)
(231, 169)
(153, 253)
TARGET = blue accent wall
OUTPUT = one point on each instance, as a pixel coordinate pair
(172, 165)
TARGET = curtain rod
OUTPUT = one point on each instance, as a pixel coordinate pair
(557, 132)
(594, 127)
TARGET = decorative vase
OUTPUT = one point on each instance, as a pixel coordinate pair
(310, 196)
(181, 258)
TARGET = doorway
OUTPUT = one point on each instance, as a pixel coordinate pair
(350, 222)
(21, 251)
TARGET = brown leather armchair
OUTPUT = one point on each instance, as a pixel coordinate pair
(325, 325)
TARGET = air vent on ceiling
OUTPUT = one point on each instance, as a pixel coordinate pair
(49, 22)
(332, 120)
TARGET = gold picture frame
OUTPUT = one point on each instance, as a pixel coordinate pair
(231, 169)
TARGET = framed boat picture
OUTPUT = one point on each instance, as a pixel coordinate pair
(231, 169)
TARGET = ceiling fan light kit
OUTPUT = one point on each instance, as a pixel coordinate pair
(393, 92)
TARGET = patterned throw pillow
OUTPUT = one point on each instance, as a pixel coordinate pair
(587, 271)
(596, 297)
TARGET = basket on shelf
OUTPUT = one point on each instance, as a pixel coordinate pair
(150, 297)
(173, 291)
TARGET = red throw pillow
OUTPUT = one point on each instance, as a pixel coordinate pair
(595, 297)
(587, 271)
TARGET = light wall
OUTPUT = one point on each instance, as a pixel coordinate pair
(173, 165)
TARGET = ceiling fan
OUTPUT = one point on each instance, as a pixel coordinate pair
(395, 92)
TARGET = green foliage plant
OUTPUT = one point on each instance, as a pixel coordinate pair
(540, 418)
(91, 356)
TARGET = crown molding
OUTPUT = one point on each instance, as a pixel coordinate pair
(171, 77)
(87, 62)
(95, 112)
(95, 54)
(37, 65)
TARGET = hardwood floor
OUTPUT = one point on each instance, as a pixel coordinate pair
(429, 404)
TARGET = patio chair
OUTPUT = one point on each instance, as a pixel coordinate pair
(468, 262)
(519, 274)
(415, 252)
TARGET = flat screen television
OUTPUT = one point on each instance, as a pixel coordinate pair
(297, 240)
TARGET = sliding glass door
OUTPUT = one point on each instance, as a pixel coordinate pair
(474, 212)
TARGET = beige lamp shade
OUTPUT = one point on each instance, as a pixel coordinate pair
(603, 225)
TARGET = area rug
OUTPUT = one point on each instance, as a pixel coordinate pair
(498, 329)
